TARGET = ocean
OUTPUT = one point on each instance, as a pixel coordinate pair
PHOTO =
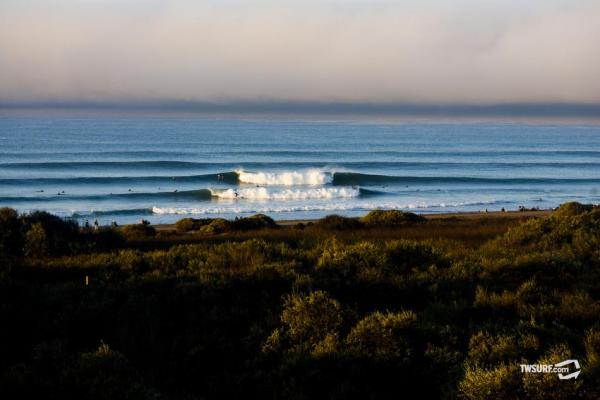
(163, 169)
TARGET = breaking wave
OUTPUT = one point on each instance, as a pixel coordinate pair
(262, 193)
(287, 178)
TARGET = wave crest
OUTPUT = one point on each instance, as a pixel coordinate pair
(286, 178)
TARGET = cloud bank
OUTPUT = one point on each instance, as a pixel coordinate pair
(417, 52)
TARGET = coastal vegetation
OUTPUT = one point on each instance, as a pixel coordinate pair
(385, 306)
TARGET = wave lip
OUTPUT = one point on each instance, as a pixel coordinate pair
(262, 193)
(286, 178)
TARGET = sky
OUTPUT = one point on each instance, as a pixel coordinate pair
(424, 52)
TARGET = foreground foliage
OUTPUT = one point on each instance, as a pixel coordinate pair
(329, 311)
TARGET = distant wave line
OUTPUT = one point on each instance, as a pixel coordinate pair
(186, 165)
(291, 178)
(324, 153)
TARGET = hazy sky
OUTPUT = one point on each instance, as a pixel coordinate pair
(421, 51)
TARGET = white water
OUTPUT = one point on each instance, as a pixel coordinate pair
(252, 208)
(262, 193)
(286, 178)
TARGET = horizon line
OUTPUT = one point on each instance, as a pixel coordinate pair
(321, 108)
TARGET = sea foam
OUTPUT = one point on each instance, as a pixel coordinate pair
(250, 208)
(262, 193)
(286, 178)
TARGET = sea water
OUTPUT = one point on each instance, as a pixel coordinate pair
(163, 169)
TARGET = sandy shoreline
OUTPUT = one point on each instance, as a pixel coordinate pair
(456, 215)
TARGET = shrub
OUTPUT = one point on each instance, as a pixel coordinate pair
(578, 305)
(501, 382)
(592, 363)
(487, 350)
(138, 231)
(216, 226)
(36, 241)
(191, 224)
(258, 221)
(311, 322)
(10, 240)
(245, 255)
(337, 222)
(573, 234)
(391, 218)
(382, 336)
(350, 259)
(10, 235)
(103, 239)
(592, 347)
(392, 258)
(62, 236)
(522, 301)
(405, 255)
(572, 208)
(107, 374)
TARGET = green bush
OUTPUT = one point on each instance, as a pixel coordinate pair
(486, 350)
(382, 335)
(138, 231)
(592, 347)
(591, 366)
(571, 209)
(337, 222)
(310, 324)
(191, 224)
(61, 236)
(102, 239)
(350, 259)
(36, 241)
(502, 382)
(391, 218)
(11, 240)
(258, 221)
(216, 226)
(406, 255)
(392, 258)
(573, 234)
(107, 374)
